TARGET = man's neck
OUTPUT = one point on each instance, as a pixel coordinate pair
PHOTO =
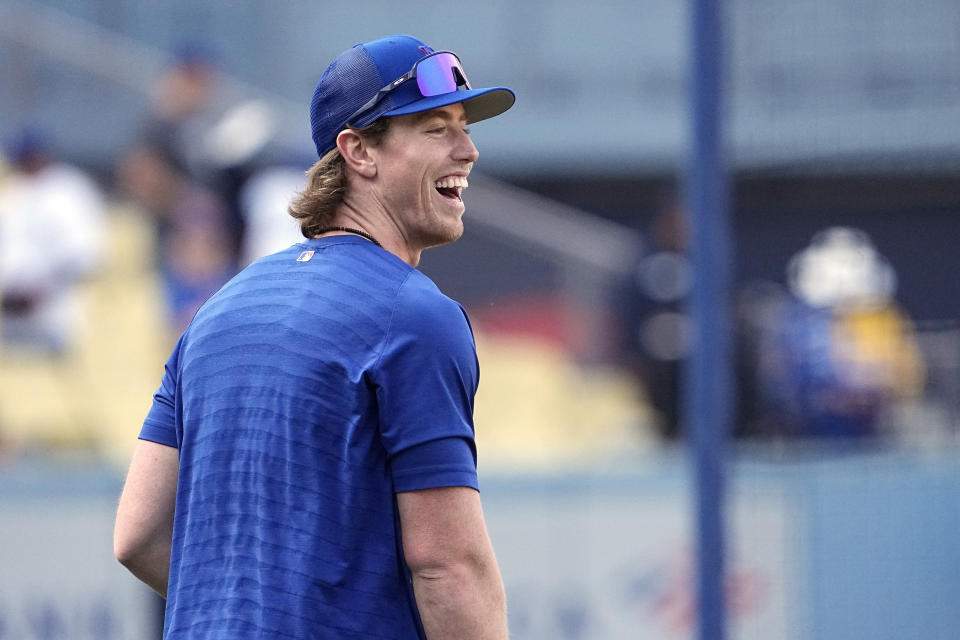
(353, 215)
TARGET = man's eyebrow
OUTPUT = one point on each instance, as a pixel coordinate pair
(437, 113)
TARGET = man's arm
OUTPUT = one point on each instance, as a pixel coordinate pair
(456, 580)
(144, 528)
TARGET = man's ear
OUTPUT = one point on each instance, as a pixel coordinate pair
(355, 150)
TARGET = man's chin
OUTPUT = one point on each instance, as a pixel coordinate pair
(450, 231)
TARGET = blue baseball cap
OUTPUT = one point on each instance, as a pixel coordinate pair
(357, 76)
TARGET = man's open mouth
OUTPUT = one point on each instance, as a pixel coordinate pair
(451, 187)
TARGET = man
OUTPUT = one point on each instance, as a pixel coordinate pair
(308, 467)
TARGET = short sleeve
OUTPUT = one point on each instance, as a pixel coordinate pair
(160, 425)
(448, 462)
(426, 379)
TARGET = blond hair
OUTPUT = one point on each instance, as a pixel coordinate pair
(316, 206)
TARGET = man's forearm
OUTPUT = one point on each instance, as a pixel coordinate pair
(462, 602)
(143, 533)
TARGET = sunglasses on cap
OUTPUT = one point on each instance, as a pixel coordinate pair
(436, 74)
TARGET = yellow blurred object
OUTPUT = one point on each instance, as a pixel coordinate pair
(536, 408)
(879, 346)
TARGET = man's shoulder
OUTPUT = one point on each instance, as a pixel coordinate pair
(422, 309)
(419, 291)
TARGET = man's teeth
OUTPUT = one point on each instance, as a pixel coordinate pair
(452, 183)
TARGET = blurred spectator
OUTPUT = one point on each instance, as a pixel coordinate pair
(181, 106)
(206, 134)
(661, 326)
(195, 254)
(836, 354)
(52, 237)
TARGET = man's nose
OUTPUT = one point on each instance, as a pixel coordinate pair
(466, 150)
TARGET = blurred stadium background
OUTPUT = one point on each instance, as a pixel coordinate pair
(844, 159)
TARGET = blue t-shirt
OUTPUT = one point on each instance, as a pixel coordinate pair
(315, 385)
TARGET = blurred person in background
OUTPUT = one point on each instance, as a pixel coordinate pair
(52, 238)
(212, 136)
(655, 307)
(308, 467)
(182, 99)
(195, 256)
(837, 355)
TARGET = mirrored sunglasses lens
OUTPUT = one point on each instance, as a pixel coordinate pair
(436, 74)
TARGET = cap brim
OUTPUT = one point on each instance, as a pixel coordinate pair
(479, 104)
